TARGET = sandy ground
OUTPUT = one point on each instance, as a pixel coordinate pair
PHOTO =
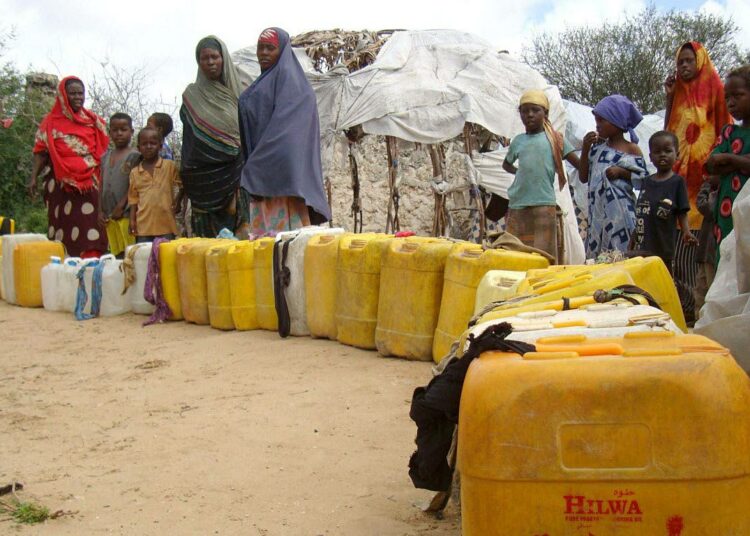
(182, 429)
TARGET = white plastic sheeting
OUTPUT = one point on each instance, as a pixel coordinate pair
(422, 87)
(725, 317)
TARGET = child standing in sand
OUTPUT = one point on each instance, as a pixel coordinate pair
(532, 214)
(150, 195)
(117, 163)
(663, 203)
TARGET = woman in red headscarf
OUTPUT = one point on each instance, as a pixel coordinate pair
(696, 113)
(72, 140)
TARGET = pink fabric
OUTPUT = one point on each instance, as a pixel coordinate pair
(152, 291)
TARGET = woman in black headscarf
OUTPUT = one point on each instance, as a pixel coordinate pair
(211, 159)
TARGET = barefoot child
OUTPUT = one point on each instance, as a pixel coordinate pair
(163, 123)
(731, 158)
(116, 166)
(531, 198)
(662, 203)
(152, 205)
(610, 164)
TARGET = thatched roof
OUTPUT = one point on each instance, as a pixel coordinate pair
(328, 48)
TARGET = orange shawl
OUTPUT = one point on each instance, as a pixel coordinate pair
(697, 116)
(75, 142)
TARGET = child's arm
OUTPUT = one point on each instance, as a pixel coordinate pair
(119, 209)
(134, 220)
(583, 163)
(687, 236)
(725, 163)
(177, 183)
(133, 201)
(510, 168)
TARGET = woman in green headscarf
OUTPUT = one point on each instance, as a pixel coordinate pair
(211, 156)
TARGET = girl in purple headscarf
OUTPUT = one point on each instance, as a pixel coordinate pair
(280, 135)
(613, 166)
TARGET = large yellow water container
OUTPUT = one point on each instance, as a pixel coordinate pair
(191, 272)
(170, 283)
(464, 270)
(642, 435)
(411, 286)
(218, 292)
(265, 302)
(241, 271)
(358, 287)
(28, 260)
(321, 255)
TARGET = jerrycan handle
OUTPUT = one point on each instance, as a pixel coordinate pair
(472, 253)
(357, 243)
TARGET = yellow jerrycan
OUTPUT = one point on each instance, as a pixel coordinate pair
(646, 434)
(191, 273)
(7, 226)
(241, 272)
(464, 270)
(28, 260)
(2, 290)
(411, 287)
(9, 244)
(358, 287)
(265, 302)
(170, 282)
(218, 292)
(321, 255)
(497, 285)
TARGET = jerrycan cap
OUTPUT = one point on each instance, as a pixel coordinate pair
(54, 259)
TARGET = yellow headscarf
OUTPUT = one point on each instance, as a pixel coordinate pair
(538, 97)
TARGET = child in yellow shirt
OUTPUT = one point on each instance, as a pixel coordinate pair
(153, 207)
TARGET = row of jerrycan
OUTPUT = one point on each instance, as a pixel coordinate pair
(406, 297)
(631, 433)
(62, 280)
(229, 284)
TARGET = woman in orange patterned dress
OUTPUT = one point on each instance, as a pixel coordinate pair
(696, 113)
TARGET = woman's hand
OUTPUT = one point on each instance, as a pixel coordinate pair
(117, 212)
(669, 85)
(31, 188)
(616, 172)
(102, 219)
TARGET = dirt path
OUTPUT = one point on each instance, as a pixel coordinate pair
(182, 429)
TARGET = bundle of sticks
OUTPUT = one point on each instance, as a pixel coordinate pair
(352, 49)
